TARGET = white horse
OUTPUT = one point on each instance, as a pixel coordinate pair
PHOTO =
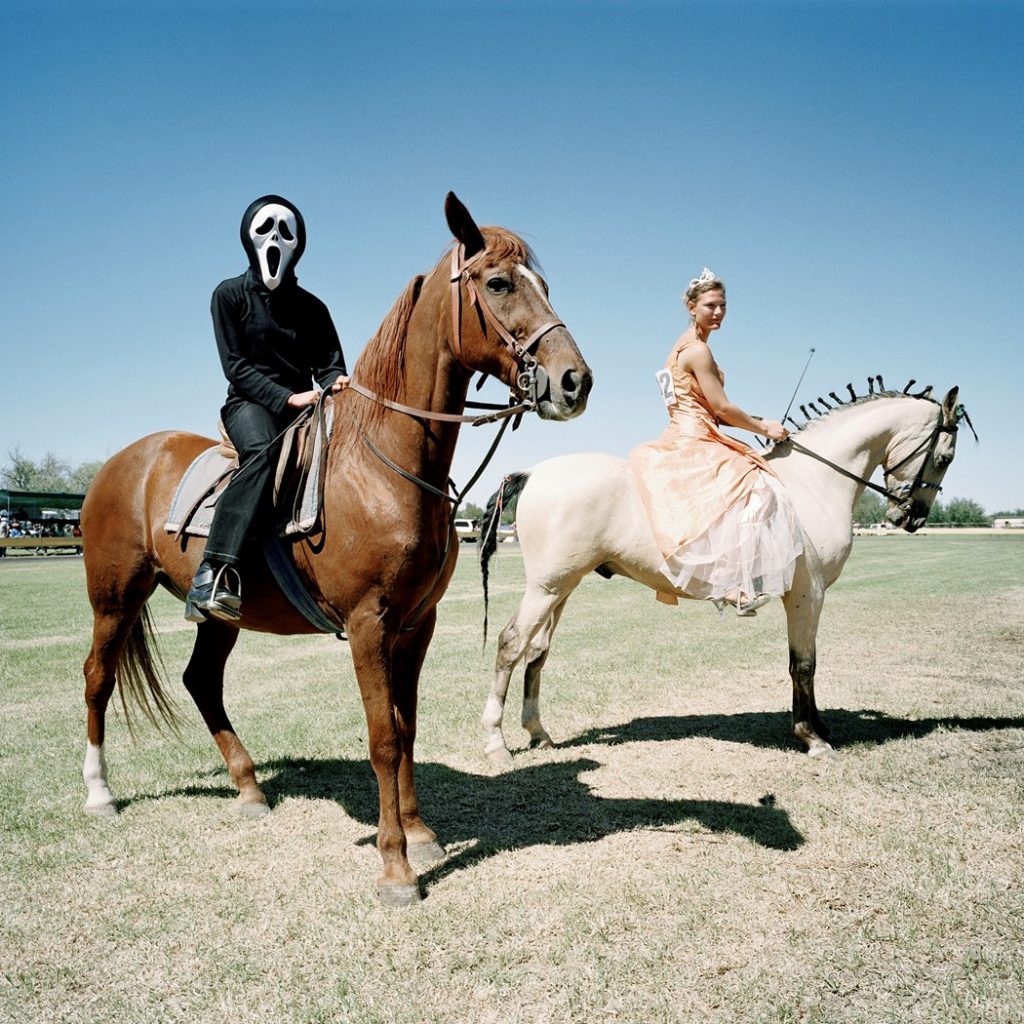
(582, 513)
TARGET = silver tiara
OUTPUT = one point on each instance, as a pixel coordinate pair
(706, 276)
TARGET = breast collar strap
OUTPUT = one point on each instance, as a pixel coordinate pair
(526, 377)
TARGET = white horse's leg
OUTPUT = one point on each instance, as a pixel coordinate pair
(536, 656)
(494, 711)
(803, 609)
(535, 609)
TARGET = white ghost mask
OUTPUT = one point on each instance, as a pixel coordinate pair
(273, 232)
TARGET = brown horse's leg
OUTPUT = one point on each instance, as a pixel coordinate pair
(803, 610)
(204, 680)
(117, 595)
(110, 632)
(372, 658)
(410, 650)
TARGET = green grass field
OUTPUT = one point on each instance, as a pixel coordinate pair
(675, 858)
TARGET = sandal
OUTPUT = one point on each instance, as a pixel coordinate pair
(749, 609)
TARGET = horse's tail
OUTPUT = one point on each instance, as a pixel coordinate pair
(504, 497)
(138, 674)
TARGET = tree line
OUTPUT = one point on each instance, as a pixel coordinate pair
(53, 474)
(50, 474)
(871, 508)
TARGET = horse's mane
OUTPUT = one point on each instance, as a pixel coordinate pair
(381, 365)
(820, 408)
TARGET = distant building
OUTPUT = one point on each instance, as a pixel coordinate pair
(35, 506)
(1008, 523)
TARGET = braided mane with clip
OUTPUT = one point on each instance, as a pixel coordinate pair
(876, 389)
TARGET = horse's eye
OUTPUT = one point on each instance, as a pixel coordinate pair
(499, 285)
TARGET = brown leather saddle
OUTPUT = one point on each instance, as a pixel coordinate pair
(298, 479)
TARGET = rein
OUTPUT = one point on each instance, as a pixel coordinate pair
(500, 411)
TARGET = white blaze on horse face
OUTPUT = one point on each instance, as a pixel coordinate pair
(274, 235)
(530, 276)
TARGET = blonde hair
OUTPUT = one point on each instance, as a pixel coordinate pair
(707, 282)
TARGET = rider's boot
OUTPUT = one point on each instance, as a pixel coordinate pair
(216, 590)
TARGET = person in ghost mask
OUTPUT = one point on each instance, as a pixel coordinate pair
(275, 340)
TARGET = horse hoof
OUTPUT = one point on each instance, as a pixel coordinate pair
(823, 749)
(543, 742)
(499, 756)
(252, 809)
(101, 810)
(400, 895)
(423, 854)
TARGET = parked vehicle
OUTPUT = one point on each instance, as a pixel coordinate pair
(468, 530)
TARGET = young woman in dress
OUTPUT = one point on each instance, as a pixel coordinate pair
(722, 520)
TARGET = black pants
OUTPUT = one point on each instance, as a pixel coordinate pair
(245, 503)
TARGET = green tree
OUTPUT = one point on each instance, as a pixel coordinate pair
(965, 512)
(472, 511)
(82, 475)
(870, 508)
(19, 474)
(51, 473)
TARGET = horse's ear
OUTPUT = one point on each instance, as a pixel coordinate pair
(462, 225)
(949, 406)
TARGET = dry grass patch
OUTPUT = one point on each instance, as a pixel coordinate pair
(675, 858)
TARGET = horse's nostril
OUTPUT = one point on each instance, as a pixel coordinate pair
(576, 384)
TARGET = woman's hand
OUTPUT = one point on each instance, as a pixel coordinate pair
(774, 430)
(340, 384)
(300, 399)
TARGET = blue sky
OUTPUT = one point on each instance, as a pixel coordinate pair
(853, 170)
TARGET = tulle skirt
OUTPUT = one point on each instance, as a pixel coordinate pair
(751, 549)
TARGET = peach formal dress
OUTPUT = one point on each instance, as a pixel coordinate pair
(720, 516)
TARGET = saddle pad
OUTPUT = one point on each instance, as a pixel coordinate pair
(210, 465)
(198, 479)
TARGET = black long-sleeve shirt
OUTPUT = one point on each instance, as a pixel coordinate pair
(272, 344)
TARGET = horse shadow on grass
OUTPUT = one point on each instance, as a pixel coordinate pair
(538, 805)
(773, 729)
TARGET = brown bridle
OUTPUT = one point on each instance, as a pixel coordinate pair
(527, 375)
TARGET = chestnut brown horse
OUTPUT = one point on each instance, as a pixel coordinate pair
(383, 555)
